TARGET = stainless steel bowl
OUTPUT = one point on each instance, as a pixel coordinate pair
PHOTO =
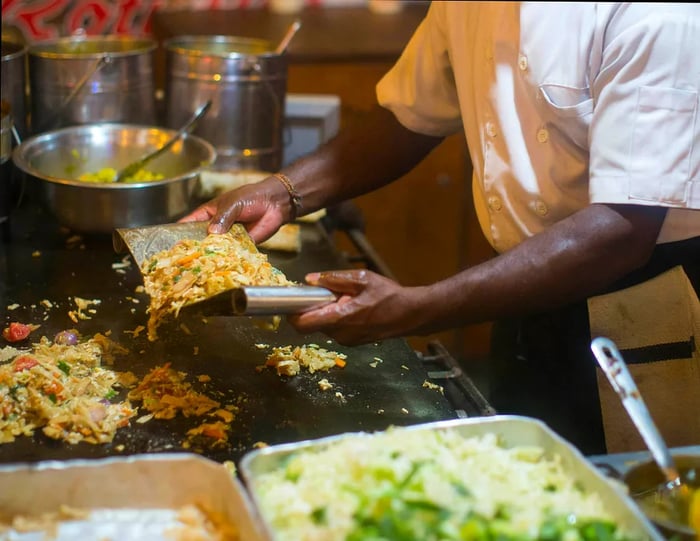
(644, 481)
(53, 162)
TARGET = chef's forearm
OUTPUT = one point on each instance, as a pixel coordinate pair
(365, 156)
(574, 259)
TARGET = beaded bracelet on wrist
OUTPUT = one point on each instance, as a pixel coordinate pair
(294, 196)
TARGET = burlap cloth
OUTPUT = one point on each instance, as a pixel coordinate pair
(656, 327)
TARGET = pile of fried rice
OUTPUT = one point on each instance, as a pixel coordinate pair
(64, 390)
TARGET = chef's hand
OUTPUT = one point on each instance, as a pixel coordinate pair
(262, 207)
(369, 307)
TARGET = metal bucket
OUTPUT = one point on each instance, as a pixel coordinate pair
(6, 170)
(14, 81)
(247, 83)
(83, 80)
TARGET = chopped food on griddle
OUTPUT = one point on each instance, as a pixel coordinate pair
(63, 389)
(194, 270)
(216, 434)
(288, 360)
(16, 331)
(164, 392)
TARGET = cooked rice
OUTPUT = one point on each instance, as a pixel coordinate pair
(64, 390)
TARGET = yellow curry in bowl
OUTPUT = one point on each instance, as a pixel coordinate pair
(109, 174)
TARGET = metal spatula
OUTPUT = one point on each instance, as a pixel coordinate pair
(144, 242)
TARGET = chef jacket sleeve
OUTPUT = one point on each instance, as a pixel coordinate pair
(420, 88)
(645, 131)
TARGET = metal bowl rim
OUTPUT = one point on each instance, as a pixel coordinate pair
(22, 51)
(143, 44)
(178, 44)
(19, 161)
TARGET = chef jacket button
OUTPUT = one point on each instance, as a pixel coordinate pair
(542, 135)
(495, 203)
(541, 208)
(491, 129)
(522, 62)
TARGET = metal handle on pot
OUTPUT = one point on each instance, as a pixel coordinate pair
(97, 66)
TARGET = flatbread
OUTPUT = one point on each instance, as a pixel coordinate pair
(213, 183)
(286, 239)
(194, 270)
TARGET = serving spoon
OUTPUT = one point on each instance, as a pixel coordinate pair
(134, 167)
(673, 492)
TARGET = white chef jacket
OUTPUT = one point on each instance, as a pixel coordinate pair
(563, 105)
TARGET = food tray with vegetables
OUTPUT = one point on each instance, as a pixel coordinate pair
(167, 496)
(501, 477)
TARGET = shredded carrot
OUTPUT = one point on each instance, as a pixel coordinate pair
(188, 258)
(340, 362)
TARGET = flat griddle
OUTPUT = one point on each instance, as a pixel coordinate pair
(43, 262)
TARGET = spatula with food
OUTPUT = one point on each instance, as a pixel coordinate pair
(183, 266)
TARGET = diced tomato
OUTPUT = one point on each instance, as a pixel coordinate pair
(53, 388)
(16, 332)
(24, 362)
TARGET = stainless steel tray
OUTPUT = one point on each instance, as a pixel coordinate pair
(132, 498)
(514, 431)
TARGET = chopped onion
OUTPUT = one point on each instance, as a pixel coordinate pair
(66, 338)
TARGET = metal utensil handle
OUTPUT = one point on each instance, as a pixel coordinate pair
(184, 130)
(97, 66)
(134, 167)
(273, 300)
(282, 46)
(611, 362)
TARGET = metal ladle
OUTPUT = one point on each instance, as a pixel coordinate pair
(674, 491)
(134, 167)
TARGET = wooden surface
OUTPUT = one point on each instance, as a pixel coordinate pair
(347, 34)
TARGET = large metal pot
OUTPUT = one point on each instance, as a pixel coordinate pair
(14, 81)
(54, 161)
(247, 82)
(643, 479)
(5, 164)
(90, 79)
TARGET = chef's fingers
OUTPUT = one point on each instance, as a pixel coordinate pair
(226, 215)
(201, 214)
(321, 318)
(351, 282)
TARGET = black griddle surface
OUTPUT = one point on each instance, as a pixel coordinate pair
(39, 264)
